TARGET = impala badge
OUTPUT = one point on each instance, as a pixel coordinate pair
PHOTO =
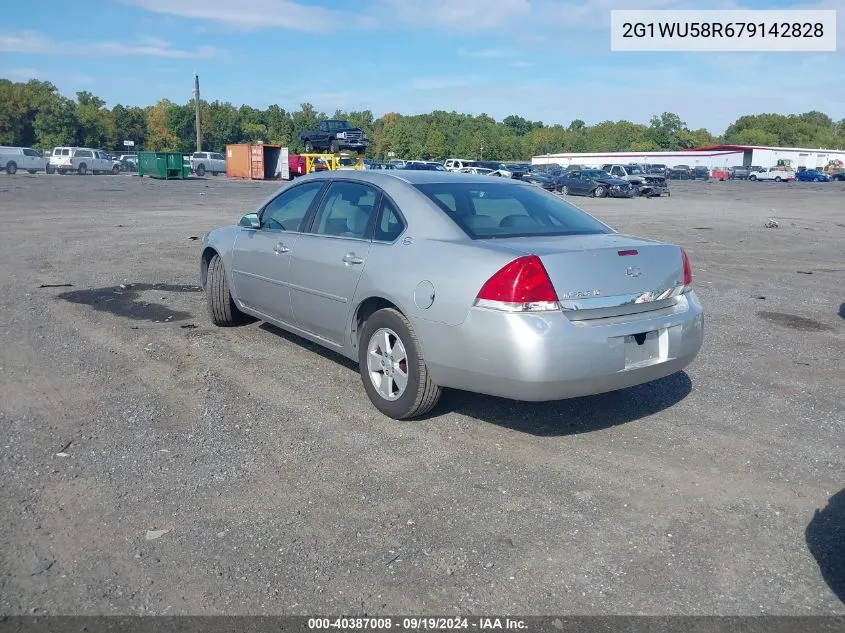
(631, 271)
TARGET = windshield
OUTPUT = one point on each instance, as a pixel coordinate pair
(338, 125)
(596, 173)
(486, 210)
(631, 169)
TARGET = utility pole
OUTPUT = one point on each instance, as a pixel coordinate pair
(197, 107)
(482, 152)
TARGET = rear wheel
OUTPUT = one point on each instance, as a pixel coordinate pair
(49, 169)
(11, 168)
(392, 367)
(309, 147)
(565, 190)
(221, 307)
(777, 178)
(752, 177)
(82, 170)
(334, 147)
(200, 170)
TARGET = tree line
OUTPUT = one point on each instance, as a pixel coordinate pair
(35, 114)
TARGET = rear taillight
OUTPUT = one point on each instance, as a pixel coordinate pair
(687, 269)
(523, 285)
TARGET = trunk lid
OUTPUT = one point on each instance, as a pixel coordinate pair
(605, 275)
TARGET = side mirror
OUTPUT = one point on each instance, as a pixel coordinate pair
(250, 221)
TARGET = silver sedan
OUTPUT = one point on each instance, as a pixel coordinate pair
(433, 279)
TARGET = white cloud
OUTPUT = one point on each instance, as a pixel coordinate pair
(440, 83)
(487, 53)
(35, 43)
(253, 14)
(24, 42)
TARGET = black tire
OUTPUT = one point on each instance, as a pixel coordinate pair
(49, 170)
(421, 394)
(200, 170)
(11, 168)
(334, 147)
(600, 192)
(221, 307)
(82, 169)
(752, 177)
(309, 147)
(115, 170)
(777, 178)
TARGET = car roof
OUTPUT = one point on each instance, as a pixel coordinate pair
(412, 177)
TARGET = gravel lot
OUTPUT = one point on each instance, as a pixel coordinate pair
(283, 490)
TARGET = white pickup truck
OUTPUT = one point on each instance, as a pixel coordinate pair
(82, 160)
(14, 158)
(772, 173)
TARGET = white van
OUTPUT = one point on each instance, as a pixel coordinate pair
(82, 160)
(14, 158)
(457, 164)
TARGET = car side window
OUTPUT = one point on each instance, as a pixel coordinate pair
(287, 210)
(389, 224)
(575, 175)
(31, 152)
(346, 210)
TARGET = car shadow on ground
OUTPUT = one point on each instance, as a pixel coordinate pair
(562, 417)
(842, 311)
(826, 541)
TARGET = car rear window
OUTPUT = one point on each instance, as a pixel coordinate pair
(507, 209)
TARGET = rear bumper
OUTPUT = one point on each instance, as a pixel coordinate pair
(541, 357)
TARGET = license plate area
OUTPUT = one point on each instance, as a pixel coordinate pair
(646, 348)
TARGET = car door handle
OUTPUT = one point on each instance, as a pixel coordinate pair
(351, 258)
(280, 248)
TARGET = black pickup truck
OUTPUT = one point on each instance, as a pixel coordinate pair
(334, 136)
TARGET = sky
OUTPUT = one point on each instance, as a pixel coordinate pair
(545, 60)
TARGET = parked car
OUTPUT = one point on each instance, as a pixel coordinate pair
(508, 290)
(82, 160)
(456, 164)
(644, 184)
(208, 162)
(333, 136)
(772, 173)
(658, 170)
(14, 158)
(594, 182)
(755, 168)
(812, 175)
(680, 172)
(720, 173)
(541, 179)
(478, 171)
(700, 173)
(419, 165)
(739, 172)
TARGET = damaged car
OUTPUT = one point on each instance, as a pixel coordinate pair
(594, 182)
(645, 184)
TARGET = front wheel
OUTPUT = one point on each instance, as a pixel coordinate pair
(221, 307)
(392, 368)
(600, 192)
(565, 190)
(309, 147)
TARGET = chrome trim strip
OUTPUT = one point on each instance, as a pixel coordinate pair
(594, 303)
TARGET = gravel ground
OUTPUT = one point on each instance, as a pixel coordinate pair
(155, 464)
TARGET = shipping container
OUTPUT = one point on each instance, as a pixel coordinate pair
(253, 161)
